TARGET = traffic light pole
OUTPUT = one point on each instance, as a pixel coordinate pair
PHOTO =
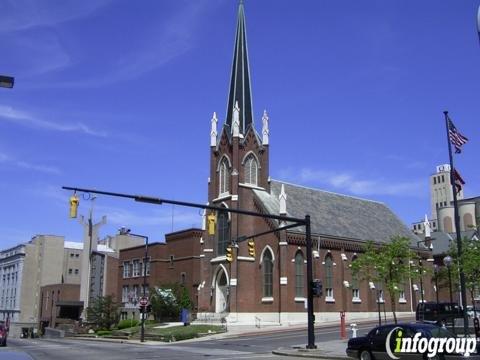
(297, 222)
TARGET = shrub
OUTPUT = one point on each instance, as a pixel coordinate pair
(123, 324)
(104, 332)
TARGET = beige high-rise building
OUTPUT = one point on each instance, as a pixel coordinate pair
(24, 269)
(441, 194)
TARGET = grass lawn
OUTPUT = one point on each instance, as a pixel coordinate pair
(176, 333)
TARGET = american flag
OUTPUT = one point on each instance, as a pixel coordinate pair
(457, 139)
(459, 182)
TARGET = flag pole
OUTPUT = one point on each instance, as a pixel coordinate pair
(457, 230)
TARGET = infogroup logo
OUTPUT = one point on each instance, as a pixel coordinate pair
(431, 346)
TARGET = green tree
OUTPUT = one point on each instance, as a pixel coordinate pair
(168, 300)
(103, 312)
(471, 268)
(388, 264)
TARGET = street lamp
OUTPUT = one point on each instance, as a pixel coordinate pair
(420, 265)
(6, 81)
(447, 261)
(435, 269)
(144, 300)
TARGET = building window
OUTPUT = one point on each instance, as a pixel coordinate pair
(183, 277)
(136, 268)
(77, 255)
(126, 269)
(267, 264)
(223, 177)
(401, 297)
(223, 232)
(125, 293)
(443, 178)
(434, 180)
(328, 277)
(76, 271)
(251, 170)
(70, 271)
(171, 261)
(72, 255)
(354, 285)
(299, 279)
(146, 268)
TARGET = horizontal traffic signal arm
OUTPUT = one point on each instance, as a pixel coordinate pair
(160, 201)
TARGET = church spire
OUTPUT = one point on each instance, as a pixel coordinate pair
(240, 90)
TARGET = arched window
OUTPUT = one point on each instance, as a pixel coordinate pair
(223, 177)
(223, 232)
(328, 276)
(467, 221)
(251, 170)
(354, 285)
(267, 264)
(299, 279)
(447, 224)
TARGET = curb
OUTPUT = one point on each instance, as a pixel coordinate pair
(306, 353)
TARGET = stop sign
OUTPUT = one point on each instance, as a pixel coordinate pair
(143, 301)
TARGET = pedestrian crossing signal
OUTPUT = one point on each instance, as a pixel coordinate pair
(251, 248)
(211, 224)
(229, 254)
(74, 202)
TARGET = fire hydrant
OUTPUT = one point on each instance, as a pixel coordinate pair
(353, 329)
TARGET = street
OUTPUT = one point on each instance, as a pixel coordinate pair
(250, 346)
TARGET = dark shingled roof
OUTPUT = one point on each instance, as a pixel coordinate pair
(441, 240)
(337, 215)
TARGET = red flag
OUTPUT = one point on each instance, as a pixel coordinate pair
(458, 181)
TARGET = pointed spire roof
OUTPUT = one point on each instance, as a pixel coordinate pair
(240, 86)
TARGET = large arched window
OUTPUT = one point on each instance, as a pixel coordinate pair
(328, 276)
(299, 279)
(354, 285)
(223, 177)
(267, 265)
(447, 224)
(251, 170)
(223, 232)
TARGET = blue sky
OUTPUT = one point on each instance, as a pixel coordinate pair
(118, 96)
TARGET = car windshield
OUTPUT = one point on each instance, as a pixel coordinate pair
(439, 332)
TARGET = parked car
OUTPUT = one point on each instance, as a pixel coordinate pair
(373, 345)
(438, 313)
(471, 312)
(3, 335)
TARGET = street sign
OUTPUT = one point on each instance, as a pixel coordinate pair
(143, 301)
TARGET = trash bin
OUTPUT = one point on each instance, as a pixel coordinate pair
(185, 317)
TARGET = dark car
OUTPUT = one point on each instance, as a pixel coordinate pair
(373, 345)
(438, 313)
(3, 335)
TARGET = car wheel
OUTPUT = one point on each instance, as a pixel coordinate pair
(365, 355)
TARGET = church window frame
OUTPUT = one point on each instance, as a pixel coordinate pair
(224, 176)
(329, 277)
(223, 231)
(267, 273)
(299, 275)
(251, 167)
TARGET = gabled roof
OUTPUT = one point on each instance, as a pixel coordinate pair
(441, 240)
(337, 215)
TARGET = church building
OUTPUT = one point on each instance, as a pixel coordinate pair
(269, 285)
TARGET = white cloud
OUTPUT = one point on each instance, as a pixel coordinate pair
(25, 118)
(345, 181)
(9, 160)
(123, 217)
(40, 168)
(26, 14)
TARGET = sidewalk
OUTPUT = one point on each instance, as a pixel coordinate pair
(334, 349)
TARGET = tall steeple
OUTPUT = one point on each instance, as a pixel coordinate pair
(240, 89)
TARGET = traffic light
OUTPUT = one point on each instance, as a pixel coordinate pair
(251, 247)
(74, 202)
(211, 223)
(229, 254)
(317, 288)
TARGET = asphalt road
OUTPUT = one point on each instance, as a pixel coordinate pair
(250, 346)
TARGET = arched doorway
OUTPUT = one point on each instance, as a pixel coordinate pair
(221, 291)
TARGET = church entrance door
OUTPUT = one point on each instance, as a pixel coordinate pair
(221, 292)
